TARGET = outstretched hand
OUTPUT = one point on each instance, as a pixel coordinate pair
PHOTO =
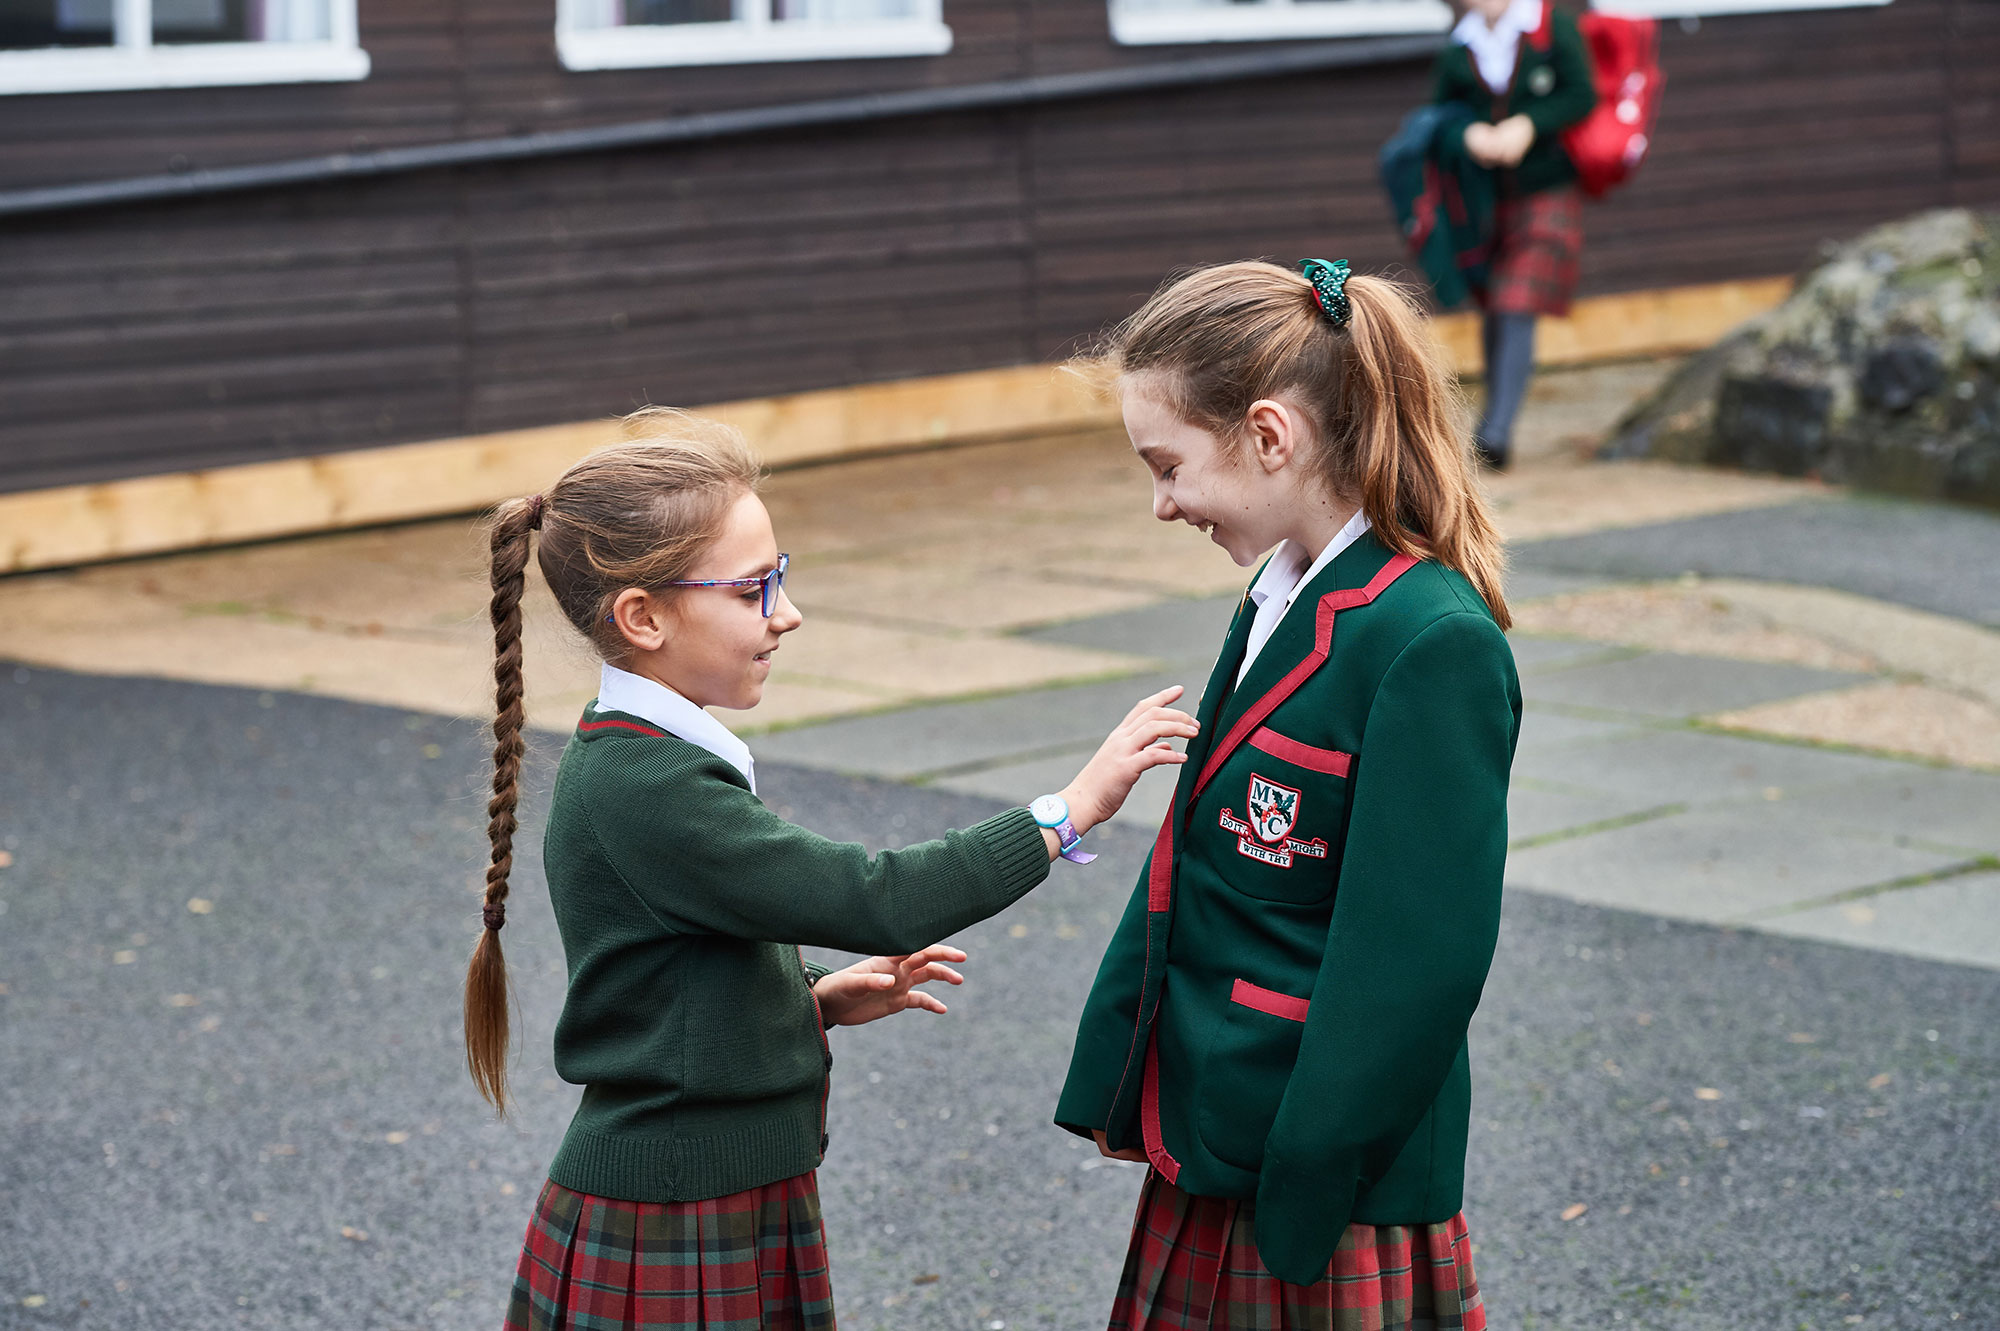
(882, 986)
(1138, 744)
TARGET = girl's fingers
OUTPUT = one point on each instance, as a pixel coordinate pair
(928, 1003)
(1165, 695)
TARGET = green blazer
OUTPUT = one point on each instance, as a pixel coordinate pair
(1553, 86)
(1281, 1014)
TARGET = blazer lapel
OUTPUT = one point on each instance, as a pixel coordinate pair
(1301, 645)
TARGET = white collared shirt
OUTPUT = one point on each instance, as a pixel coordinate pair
(1493, 49)
(622, 691)
(1283, 578)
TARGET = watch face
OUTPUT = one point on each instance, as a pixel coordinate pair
(1049, 810)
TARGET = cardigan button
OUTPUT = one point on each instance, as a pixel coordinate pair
(823, 1140)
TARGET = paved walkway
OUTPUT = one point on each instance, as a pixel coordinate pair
(1752, 702)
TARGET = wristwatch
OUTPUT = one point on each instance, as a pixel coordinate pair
(1052, 812)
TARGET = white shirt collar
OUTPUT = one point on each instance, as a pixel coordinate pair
(1288, 570)
(622, 691)
(1287, 574)
(1493, 49)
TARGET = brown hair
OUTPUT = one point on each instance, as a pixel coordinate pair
(1381, 400)
(637, 514)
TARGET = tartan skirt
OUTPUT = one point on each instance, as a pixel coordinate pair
(751, 1261)
(1537, 251)
(1193, 1266)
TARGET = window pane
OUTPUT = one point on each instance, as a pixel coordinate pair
(672, 11)
(25, 24)
(181, 21)
(834, 11)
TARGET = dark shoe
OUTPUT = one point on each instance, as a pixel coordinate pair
(1495, 456)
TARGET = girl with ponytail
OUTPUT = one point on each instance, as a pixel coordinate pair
(1279, 1025)
(683, 1195)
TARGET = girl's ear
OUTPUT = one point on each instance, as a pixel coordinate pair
(641, 619)
(1274, 434)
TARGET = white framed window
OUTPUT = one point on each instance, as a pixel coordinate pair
(1161, 22)
(115, 45)
(634, 34)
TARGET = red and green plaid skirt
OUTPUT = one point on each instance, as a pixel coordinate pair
(751, 1261)
(1537, 250)
(1193, 1266)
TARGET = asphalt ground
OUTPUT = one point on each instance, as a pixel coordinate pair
(1933, 557)
(253, 1113)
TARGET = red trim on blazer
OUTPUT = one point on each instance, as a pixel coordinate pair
(1332, 761)
(1149, 1115)
(648, 731)
(1329, 604)
(1160, 874)
(1269, 1000)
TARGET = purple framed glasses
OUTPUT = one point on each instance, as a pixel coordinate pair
(771, 582)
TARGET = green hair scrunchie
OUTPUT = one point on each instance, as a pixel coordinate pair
(1329, 284)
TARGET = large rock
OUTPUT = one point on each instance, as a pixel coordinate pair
(1882, 370)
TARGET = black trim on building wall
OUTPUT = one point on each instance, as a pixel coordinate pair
(707, 127)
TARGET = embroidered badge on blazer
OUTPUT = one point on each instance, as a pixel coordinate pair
(1274, 812)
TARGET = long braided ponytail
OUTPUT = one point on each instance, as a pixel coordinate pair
(637, 514)
(486, 1005)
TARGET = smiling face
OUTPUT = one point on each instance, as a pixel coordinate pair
(712, 645)
(1246, 496)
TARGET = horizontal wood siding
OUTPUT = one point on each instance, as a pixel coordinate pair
(267, 325)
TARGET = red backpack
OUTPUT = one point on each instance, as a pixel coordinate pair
(1608, 144)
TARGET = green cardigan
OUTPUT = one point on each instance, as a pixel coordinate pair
(690, 1019)
(1553, 86)
(1282, 1013)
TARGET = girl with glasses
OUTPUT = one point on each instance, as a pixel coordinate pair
(683, 1194)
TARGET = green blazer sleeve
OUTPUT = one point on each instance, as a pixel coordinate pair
(1416, 914)
(1575, 91)
(1104, 1034)
(723, 863)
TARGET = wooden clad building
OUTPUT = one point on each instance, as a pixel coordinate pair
(191, 275)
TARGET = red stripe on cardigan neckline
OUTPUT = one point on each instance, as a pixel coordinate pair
(1331, 761)
(588, 726)
(1270, 1000)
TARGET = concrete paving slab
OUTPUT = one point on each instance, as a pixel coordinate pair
(1890, 716)
(1532, 653)
(1716, 866)
(1535, 812)
(1180, 631)
(1956, 919)
(950, 736)
(1667, 766)
(1931, 556)
(1533, 584)
(1541, 728)
(1952, 808)
(1669, 684)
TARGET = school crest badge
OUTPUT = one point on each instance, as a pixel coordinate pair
(1274, 809)
(1267, 836)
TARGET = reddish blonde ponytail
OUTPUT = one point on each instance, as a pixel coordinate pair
(1377, 388)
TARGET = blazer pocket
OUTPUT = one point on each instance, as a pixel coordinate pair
(1245, 1072)
(1331, 761)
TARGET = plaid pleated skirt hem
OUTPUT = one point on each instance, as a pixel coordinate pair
(1193, 1266)
(1537, 253)
(751, 1261)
